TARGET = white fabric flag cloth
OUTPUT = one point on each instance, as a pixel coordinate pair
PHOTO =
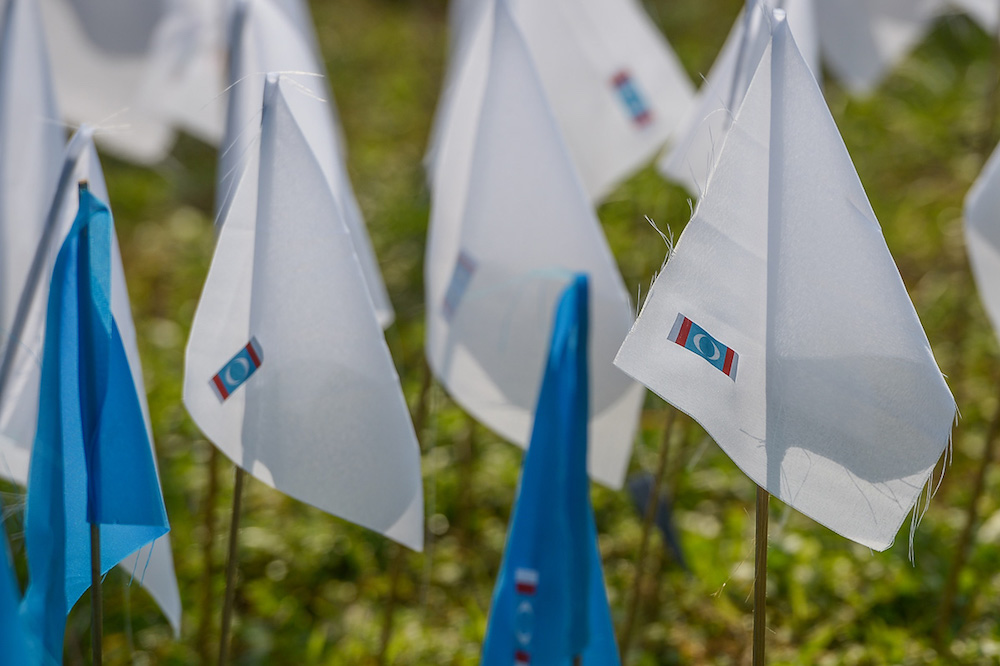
(616, 87)
(21, 367)
(277, 36)
(808, 365)
(982, 236)
(695, 145)
(138, 70)
(863, 39)
(510, 224)
(985, 12)
(286, 370)
(31, 147)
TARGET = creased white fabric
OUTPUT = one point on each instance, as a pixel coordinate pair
(323, 419)
(835, 404)
(277, 36)
(510, 224)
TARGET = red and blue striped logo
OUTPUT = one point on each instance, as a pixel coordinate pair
(630, 96)
(694, 338)
(237, 370)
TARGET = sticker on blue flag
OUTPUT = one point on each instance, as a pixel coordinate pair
(630, 96)
(237, 370)
(464, 268)
(693, 337)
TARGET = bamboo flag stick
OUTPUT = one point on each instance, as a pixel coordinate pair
(760, 578)
(96, 600)
(971, 514)
(965, 538)
(205, 627)
(231, 563)
(399, 554)
(625, 640)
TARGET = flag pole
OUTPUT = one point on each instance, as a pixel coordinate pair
(649, 515)
(205, 627)
(760, 578)
(96, 600)
(965, 538)
(96, 596)
(234, 526)
(399, 554)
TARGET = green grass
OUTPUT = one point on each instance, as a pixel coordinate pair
(313, 587)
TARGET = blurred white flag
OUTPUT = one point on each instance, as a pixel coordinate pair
(139, 70)
(982, 236)
(286, 370)
(612, 80)
(782, 326)
(510, 224)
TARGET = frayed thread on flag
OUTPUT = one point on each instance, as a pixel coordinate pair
(668, 240)
(930, 489)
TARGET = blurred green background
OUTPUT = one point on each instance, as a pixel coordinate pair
(313, 588)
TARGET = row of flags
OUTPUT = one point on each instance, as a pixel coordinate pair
(807, 365)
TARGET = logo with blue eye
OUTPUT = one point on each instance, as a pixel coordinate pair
(239, 369)
(633, 100)
(694, 338)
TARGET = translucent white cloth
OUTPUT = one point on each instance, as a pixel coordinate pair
(982, 236)
(612, 80)
(139, 70)
(831, 399)
(323, 418)
(510, 223)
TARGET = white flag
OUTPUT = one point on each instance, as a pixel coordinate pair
(982, 236)
(286, 368)
(21, 358)
(782, 326)
(510, 224)
(984, 12)
(276, 36)
(695, 145)
(612, 80)
(138, 70)
(863, 39)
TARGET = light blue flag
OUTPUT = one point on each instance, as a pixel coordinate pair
(91, 460)
(550, 604)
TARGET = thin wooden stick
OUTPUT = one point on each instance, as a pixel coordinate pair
(96, 598)
(968, 529)
(625, 640)
(760, 578)
(211, 496)
(578, 660)
(231, 563)
(399, 554)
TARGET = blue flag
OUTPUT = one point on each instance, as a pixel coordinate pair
(91, 461)
(550, 604)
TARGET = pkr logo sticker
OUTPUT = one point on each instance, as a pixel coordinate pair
(239, 368)
(694, 338)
